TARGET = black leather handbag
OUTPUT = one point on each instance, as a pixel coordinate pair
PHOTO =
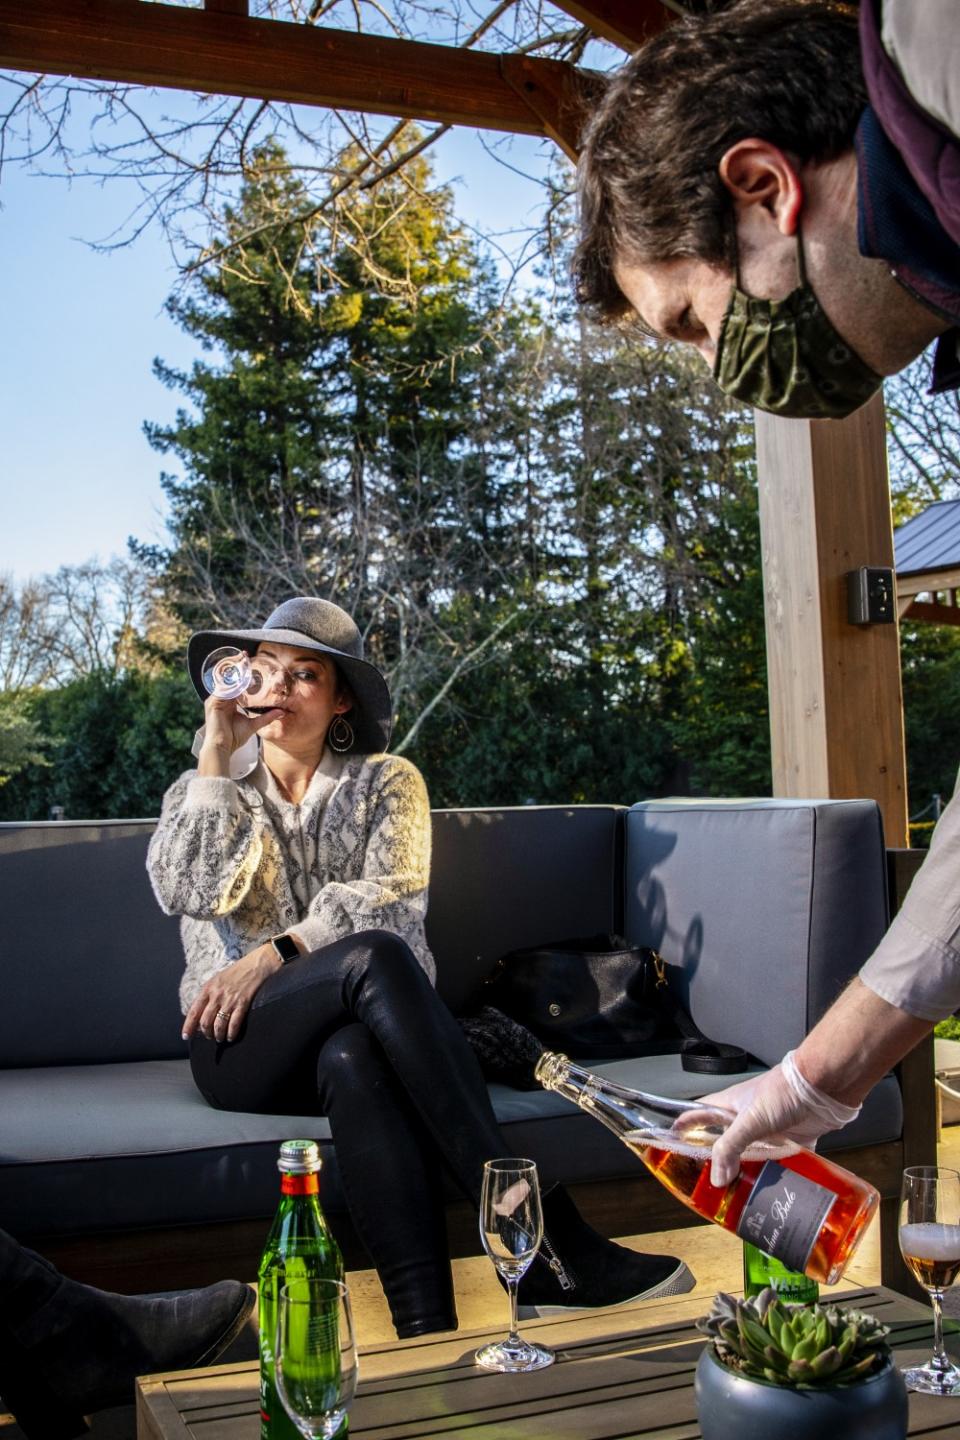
(600, 998)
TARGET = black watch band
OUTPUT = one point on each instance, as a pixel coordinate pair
(286, 948)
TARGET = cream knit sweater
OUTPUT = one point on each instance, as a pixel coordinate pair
(240, 863)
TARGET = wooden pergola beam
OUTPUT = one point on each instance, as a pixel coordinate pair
(220, 50)
(929, 582)
(932, 612)
(933, 583)
(627, 23)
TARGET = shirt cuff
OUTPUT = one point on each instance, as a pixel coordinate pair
(311, 932)
(212, 792)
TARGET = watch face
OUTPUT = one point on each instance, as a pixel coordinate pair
(286, 948)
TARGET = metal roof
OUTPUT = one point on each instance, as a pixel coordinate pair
(930, 541)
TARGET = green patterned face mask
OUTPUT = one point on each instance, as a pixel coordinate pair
(785, 356)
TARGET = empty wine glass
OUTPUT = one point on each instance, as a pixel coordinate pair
(316, 1355)
(930, 1245)
(511, 1228)
(232, 674)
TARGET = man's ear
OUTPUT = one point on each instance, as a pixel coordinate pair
(757, 172)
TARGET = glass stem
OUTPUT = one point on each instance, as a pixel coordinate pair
(513, 1283)
(940, 1358)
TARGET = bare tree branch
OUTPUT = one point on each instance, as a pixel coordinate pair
(465, 663)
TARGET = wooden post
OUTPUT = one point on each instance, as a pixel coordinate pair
(836, 707)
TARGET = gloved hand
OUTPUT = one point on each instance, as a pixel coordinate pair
(780, 1103)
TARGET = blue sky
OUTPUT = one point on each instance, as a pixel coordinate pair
(81, 330)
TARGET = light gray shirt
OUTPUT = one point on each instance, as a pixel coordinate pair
(916, 966)
(922, 38)
(240, 863)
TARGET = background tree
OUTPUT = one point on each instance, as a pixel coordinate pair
(22, 745)
(90, 719)
(548, 534)
(342, 440)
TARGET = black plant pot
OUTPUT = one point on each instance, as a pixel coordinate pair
(731, 1406)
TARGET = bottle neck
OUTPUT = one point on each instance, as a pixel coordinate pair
(556, 1072)
(300, 1184)
(627, 1111)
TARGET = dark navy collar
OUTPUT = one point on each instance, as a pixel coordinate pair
(896, 223)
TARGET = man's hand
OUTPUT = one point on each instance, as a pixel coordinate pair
(221, 1007)
(780, 1103)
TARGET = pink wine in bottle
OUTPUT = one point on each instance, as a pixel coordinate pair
(791, 1203)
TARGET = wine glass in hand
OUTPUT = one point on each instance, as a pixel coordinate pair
(930, 1245)
(316, 1356)
(511, 1228)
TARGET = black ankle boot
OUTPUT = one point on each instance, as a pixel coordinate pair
(577, 1269)
(81, 1350)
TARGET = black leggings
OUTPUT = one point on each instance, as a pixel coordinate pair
(356, 1031)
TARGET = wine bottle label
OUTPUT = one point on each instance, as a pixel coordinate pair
(785, 1214)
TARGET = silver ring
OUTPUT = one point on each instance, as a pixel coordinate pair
(223, 1014)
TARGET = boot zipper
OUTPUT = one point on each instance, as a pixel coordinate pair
(556, 1264)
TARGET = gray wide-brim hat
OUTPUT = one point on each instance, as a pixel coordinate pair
(313, 624)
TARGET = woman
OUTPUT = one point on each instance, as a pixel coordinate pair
(302, 880)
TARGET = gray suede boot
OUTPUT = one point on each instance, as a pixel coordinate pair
(67, 1349)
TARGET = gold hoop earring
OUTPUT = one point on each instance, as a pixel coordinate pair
(340, 736)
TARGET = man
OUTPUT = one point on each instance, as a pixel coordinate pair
(737, 193)
(784, 194)
(68, 1349)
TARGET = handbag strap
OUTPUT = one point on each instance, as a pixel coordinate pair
(697, 1053)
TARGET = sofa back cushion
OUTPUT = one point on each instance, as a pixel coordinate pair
(768, 907)
(503, 879)
(91, 966)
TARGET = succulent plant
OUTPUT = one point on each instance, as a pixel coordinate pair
(795, 1345)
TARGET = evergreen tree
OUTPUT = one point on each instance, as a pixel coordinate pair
(542, 530)
(113, 743)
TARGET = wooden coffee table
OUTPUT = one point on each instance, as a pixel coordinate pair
(619, 1373)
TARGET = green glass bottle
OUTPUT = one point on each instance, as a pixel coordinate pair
(299, 1246)
(761, 1270)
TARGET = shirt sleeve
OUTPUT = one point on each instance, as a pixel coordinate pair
(391, 892)
(205, 850)
(916, 966)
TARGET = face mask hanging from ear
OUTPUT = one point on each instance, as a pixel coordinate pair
(784, 356)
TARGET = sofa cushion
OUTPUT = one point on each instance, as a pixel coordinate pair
(95, 1147)
(94, 950)
(91, 965)
(767, 907)
(504, 879)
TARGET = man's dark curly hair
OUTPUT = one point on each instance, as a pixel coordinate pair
(787, 71)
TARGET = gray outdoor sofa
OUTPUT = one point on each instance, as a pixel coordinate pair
(111, 1162)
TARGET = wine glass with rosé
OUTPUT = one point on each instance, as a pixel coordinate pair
(930, 1245)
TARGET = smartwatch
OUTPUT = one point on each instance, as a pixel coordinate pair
(286, 948)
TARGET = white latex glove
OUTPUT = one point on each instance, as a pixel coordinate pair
(780, 1103)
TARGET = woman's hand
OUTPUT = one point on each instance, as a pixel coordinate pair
(226, 728)
(221, 1007)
